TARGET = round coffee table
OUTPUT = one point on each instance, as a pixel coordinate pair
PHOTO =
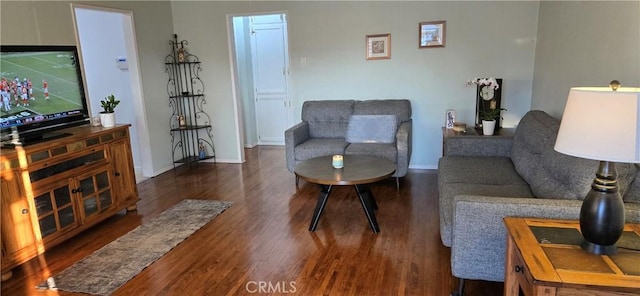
(358, 170)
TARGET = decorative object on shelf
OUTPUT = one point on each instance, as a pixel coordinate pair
(95, 121)
(202, 152)
(190, 126)
(450, 118)
(337, 161)
(587, 131)
(108, 115)
(378, 47)
(182, 55)
(488, 101)
(432, 34)
(460, 127)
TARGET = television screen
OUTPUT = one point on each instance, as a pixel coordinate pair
(41, 89)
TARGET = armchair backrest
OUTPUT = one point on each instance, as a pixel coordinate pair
(327, 118)
(400, 108)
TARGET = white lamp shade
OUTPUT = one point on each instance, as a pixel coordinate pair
(601, 124)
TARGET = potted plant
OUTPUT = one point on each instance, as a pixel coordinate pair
(108, 115)
(489, 119)
(489, 111)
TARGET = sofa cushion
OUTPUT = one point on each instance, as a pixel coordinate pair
(327, 119)
(382, 150)
(478, 170)
(372, 129)
(487, 176)
(534, 135)
(633, 192)
(551, 174)
(319, 147)
(400, 108)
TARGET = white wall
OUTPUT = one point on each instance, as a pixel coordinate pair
(483, 39)
(101, 45)
(584, 43)
(578, 43)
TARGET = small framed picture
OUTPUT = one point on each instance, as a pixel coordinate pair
(432, 34)
(378, 47)
(450, 118)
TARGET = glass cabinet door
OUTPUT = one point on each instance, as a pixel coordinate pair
(95, 192)
(55, 210)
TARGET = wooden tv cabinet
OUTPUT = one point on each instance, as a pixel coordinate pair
(53, 190)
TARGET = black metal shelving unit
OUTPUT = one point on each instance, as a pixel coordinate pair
(190, 127)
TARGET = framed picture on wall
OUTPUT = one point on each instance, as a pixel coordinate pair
(378, 47)
(432, 34)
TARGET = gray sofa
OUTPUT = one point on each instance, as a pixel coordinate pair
(324, 126)
(482, 180)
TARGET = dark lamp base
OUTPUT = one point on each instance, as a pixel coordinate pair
(602, 212)
(598, 249)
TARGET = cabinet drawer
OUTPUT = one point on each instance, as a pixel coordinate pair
(525, 280)
(47, 170)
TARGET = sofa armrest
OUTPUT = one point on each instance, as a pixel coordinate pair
(293, 136)
(478, 146)
(479, 236)
(403, 146)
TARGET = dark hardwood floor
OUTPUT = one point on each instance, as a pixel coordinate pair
(263, 238)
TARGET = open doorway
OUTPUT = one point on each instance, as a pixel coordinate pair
(260, 63)
(109, 56)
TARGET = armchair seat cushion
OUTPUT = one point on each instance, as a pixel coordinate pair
(316, 147)
(387, 151)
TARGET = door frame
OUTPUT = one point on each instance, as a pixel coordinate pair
(238, 107)
(136, 82)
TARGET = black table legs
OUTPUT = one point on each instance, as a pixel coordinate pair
(322, 201)
(369, 206)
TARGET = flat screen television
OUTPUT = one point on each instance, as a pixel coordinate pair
(41, 92)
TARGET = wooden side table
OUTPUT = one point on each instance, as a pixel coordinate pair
(544, 258)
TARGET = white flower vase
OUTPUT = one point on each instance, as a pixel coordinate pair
(108, 119)
(488, 127)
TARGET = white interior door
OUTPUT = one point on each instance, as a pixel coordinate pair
(270, 74)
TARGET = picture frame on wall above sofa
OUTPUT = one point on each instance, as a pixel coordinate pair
(378, 47)
(432, 34)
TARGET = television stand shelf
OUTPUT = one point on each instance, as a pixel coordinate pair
(53, 190)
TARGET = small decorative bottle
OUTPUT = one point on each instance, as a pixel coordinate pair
(181, 55)
(181, 122)
(202, 154)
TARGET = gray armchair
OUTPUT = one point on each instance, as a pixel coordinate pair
(324, 126)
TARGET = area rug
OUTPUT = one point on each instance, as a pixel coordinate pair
(110, 267)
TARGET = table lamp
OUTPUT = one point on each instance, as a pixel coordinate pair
(602, 123)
